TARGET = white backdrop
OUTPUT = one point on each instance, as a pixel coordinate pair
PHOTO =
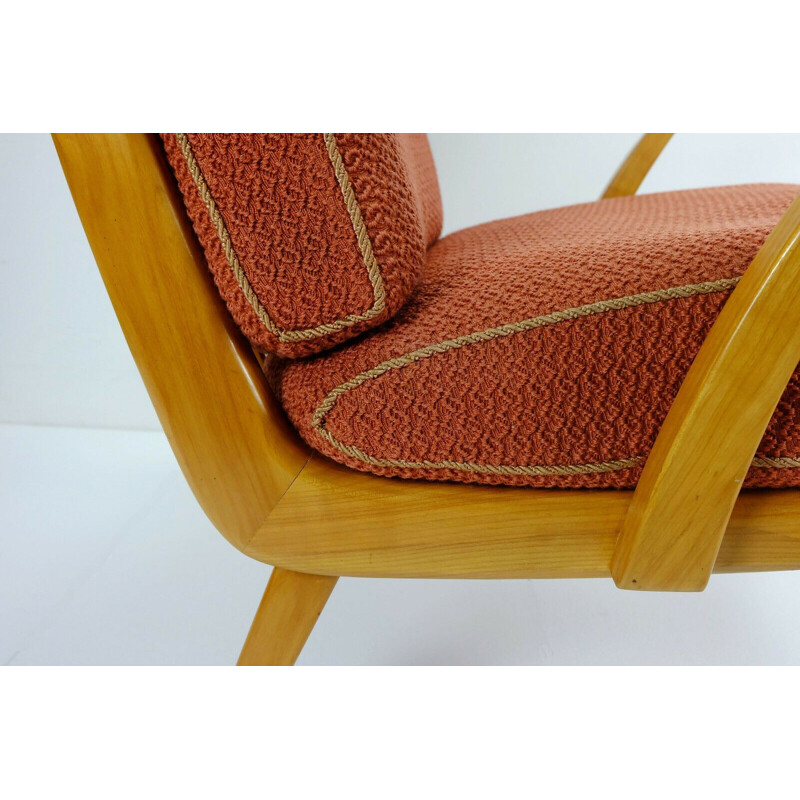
(63, 360)
(105, 557)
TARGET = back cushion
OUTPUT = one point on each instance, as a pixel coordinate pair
(312, 238)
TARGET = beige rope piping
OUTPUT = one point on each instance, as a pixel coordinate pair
(318, 419)
(359, 229)
(775, 463)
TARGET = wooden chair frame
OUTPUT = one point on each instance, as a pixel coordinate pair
(315, 520)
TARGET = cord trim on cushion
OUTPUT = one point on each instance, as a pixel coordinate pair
(359, 229)
(775, 463)
(660, 295)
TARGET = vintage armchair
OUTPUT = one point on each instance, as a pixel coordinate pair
(281, 502)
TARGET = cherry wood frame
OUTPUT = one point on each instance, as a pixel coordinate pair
(315, 520)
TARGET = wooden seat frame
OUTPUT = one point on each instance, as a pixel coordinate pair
(315, 520)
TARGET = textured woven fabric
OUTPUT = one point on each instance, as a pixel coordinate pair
(417, 155)
(564, 400)
(300, 266)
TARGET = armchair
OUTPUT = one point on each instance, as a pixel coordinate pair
(279, 501)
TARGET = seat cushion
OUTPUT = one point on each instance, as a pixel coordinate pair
(312, 238)
(546, 349)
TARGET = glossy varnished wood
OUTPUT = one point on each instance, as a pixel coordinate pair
(634, 169)
(288, 612)
(338, 522)
(232, 442)
(695, 471)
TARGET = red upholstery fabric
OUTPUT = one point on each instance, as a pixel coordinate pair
(482, 376)
(417, 156)
(287, 253)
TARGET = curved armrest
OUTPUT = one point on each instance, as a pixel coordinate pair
(681, 506)
(630, 175)
(231, 439)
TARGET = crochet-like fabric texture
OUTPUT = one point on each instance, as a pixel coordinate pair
(483, 378)
(312, 238)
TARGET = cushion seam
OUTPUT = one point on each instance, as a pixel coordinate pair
(359, 230)
(319, 416)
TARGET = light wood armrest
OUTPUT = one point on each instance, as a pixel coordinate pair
(630, 175)
(681, 506)
(235, 447)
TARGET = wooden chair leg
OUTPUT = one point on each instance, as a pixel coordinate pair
(289, 609)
